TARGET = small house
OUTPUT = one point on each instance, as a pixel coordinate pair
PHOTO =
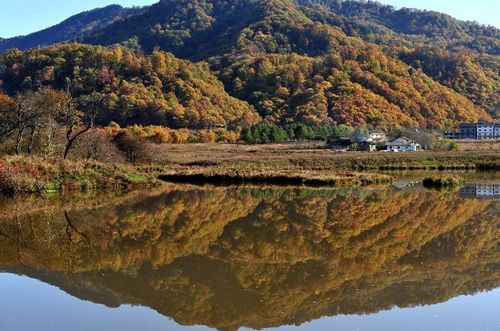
(403, 144)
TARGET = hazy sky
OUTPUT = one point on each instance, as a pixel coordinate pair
(18, 17)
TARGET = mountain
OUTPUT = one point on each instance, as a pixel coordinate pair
(178, 24)
(74, 27)
(419, 25)
(464, 56)
(326, 61)
(317, 29)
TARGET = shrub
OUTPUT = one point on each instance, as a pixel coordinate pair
(134, 147)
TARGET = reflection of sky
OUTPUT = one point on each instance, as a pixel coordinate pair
(466, 313)
(30, 305)
(27, 304)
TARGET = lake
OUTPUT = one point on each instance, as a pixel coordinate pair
(184, 257)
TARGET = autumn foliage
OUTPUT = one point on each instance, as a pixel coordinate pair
(317, 62)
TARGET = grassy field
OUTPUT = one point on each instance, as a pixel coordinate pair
(313, 156)
(478, 145)
(309, 164)
(221, 175)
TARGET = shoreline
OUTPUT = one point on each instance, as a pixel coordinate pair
(231, 164)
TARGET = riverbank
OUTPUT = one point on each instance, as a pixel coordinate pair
(25, 174)
(308, 164)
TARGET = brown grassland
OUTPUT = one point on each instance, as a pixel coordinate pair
(314, 156)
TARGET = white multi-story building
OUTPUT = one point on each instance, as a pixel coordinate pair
(480, 130)
(485, 130)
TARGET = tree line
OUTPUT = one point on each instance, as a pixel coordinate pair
(264, 133)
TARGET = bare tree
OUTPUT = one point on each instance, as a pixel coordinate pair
(77, 122)
(14, 115)
(10, 115)
(28, 112)
(25, 112)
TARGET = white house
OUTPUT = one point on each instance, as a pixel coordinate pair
(403, 144)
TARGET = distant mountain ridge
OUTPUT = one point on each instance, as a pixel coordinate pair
(415, 22)
(76, 26)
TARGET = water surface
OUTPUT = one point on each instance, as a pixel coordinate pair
(197, 258)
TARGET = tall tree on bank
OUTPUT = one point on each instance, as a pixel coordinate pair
(77, 122)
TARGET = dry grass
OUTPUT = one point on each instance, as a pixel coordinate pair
(478, 145)
(314, 156)
(22, 174)
(300, 163)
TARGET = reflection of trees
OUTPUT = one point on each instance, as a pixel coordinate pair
(228, 257)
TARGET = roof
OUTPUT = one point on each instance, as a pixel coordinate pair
(402, 141)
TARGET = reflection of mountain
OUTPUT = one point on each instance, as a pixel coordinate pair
(228, 257)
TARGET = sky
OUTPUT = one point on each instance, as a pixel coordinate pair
(20, 17)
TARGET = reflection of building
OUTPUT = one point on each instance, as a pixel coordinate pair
(481, 191)
(404, 185)
(480, 130)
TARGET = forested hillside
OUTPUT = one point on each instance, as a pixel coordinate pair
(135, 89)
(463, 56)
(433, 27)
(323, 62)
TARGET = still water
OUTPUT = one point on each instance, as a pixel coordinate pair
(185, 257)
